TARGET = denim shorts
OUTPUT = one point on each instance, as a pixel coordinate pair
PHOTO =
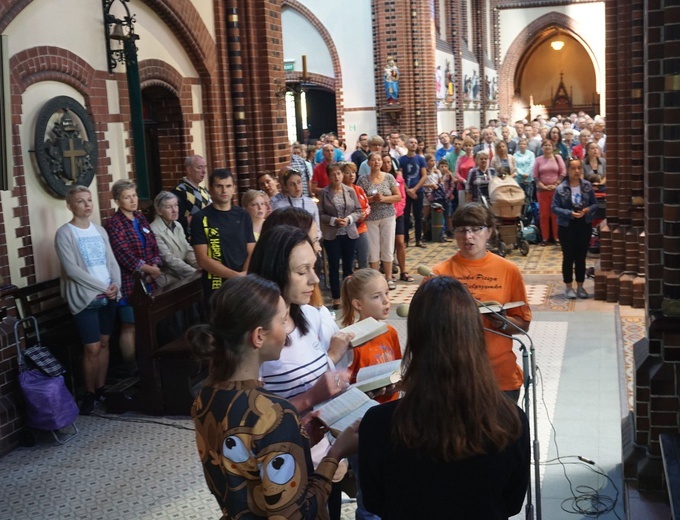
(96, 320)
(400, 229)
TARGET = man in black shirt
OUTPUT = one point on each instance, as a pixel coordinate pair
(222, 235)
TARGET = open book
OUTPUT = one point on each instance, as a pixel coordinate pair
(342, 410)
(378, 376)
(365, 330)
(493, 306)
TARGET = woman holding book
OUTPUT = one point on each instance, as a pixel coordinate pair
(305, 373)
(254, 452)
(454, 440)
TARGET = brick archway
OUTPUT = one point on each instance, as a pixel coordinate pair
(526, 40)
(333, 51)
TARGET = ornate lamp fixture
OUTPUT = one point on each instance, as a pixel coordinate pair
(119, 30)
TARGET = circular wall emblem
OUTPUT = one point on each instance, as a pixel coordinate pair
(65, 144)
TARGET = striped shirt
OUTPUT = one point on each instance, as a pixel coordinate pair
(302, 362)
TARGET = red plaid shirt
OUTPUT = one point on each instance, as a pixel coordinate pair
(128, 249)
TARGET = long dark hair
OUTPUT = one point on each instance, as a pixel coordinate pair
(452, 408)
(271, 259)
(288, 216)
(241, 305)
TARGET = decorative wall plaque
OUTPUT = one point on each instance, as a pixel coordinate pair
(65, 144)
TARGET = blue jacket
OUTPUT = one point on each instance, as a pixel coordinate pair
(563, 207)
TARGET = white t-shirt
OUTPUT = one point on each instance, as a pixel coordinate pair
(576, 197)
(93, 251)
(302, 362)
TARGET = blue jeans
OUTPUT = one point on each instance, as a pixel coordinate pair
(362, 250)
(340, 247)
(417, 205)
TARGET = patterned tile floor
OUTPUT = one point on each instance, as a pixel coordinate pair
(139, 467)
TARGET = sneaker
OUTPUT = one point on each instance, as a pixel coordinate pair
(581, 293)
(87, 404)
(570, 294)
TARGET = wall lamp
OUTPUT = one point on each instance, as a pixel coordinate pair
(121, 30)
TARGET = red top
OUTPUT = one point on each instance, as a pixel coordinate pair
(320, 175)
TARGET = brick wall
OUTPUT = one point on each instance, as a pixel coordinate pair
(404, 29)
(49, 63)
(651, 82)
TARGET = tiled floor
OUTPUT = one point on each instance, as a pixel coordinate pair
(140, 467)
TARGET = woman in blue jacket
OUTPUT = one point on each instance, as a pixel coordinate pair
(574, 204)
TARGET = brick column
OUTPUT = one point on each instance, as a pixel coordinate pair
(404, 29)
(620, 249)
(657, 374)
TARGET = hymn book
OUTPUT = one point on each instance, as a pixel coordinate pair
(378, 376)
(342, 410)
(493, 306)
(365, 330)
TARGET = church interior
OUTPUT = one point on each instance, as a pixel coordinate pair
(151, 82)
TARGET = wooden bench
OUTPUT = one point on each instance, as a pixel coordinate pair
(168, 373)
(670, 453)
(57, 329)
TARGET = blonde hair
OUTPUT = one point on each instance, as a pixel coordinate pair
(74, 190)
(352, 289)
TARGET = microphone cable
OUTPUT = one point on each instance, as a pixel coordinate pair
(585, 500)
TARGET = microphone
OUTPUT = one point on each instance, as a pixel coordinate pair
(424, 270)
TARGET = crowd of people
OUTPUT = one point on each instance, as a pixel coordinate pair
(275, 350)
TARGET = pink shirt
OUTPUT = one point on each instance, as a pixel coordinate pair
(399, 206)
(549, 171)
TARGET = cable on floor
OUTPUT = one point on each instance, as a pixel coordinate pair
(585, 500)
(142, 421)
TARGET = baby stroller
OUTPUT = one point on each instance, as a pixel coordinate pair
(506, 200)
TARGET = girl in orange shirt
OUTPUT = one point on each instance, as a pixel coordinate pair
(365, 294)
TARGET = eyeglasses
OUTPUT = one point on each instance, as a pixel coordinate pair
(475, 230)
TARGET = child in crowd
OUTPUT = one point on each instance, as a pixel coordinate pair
(431, 184)
(449, 182)
(365, 294)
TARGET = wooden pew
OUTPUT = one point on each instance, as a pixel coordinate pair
(57, 329)
(167, 372)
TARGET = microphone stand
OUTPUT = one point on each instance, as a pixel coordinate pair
(529, 369)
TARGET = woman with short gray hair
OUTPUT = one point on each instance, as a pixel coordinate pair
(179, 260)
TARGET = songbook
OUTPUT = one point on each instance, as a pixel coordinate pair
(342, 410)
(378, 376)
(365, 330)
(493, 306)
